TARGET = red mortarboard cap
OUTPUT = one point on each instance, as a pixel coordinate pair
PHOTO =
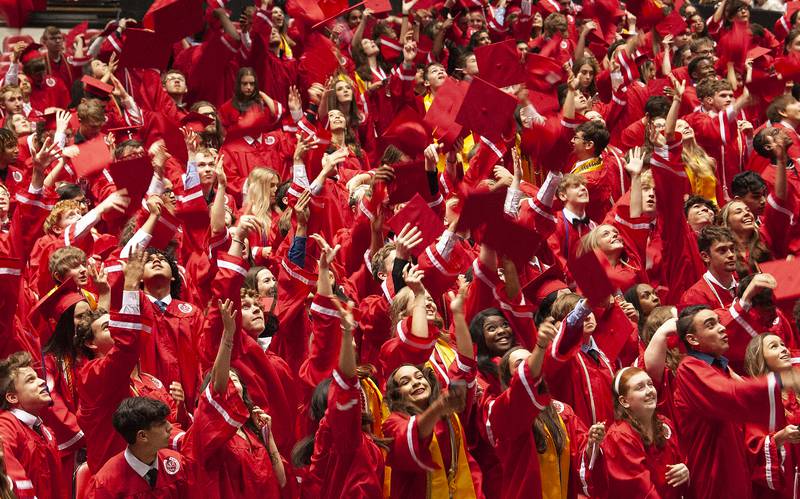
(521, 29)
(174, 19)
(544, 73)
(487, 110)
(409, 179)
(124, 133)
(591, 277)
(314, 165)
(318, 61)
(96, 87)
(481, 206)
(143, 48)
(408, 132)
(93, 156)
(331, 9)
(787, 274)
(757, 52)
(133, 174)
(512, 239)
(196, 122)
(441, 116)
(765, 85)
(499, 63)
(50, 121)
(378, 6)
(673, 24)
(788, 67)
(307, 11)
(79, 29)
(30, 53)
(417, 213)
(55, 303)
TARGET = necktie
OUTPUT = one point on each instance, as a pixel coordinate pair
(577, 222)
(151, 476)
(161, 305)
(37, 427)
(594, 354)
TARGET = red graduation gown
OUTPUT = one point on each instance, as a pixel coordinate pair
(31, 459)
(711, 408)
(117, 480)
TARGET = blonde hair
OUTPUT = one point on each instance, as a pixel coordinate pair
(697, 160)
(259, 193)
(756, 249)
(591, 241)
(647, 179)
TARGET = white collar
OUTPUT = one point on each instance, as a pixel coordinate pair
(166, 300)
(26, 417)
(710, 277)
(570, 216)
(139, 467)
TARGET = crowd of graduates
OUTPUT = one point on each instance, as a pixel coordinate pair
(458, 249)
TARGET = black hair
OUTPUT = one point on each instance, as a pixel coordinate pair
(693, 200)
(747, 182)
(692, 66)
(304, 448)
(169, 256)
(657, 106)
(595, 132)
(543, 312)
(138, 413)
(484, 358)
(764, 298)
(68, 191)
(685, 323)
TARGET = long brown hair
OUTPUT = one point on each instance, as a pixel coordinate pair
(548, 417)
(622, 414)
(394, 399)
(754, 363)
(756, 249)
(657, 317)
(240, 101)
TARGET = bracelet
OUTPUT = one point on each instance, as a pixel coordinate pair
(237, 241)
(542, 347)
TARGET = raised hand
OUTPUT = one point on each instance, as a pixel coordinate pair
(409, 238)
(413, 276)
(635, 162)
(294, 102)
(133, 269)
(301, 208)
(327, 254)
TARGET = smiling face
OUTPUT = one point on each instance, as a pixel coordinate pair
(699, 215)
(336, 120)
(413, 386)
(739, 218)
(267, 284)
(435, 76)
(640, 397)
(79, 273)
(497, 334)
(101, 341)
(608, 240)
(776, 354)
